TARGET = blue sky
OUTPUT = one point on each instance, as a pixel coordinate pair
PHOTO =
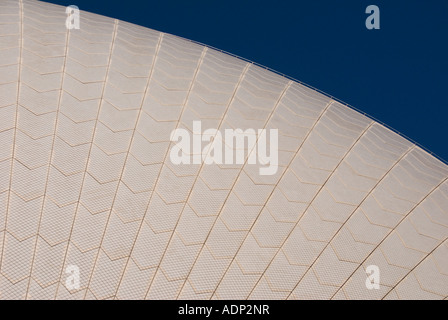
(397, 74)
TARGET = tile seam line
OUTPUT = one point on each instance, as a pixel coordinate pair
(67, 39)
(144, 95)
(328, 105)
(390, 232)
(277, 103)
(87, 158)
(15, 131)
(428, 255)
(184, 106)
(412, 147)
(296, 224)
(222, 119)
(124, 166)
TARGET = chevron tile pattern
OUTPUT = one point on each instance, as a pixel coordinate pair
(86, 179)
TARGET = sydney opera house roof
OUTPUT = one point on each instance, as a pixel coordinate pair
(87, 182)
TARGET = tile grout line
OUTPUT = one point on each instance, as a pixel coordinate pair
(353, 212)
(159, 41)
(324, 110)
(87, 159)
(390, 232)
(279, 99)
(225, 112)
(306, 209)
(428, 255)
(15, 133)
(67, 39)
(204, 51)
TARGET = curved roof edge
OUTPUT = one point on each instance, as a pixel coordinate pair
(445, 162)
(315, 89)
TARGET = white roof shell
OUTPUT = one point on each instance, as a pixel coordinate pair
(85, 122)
